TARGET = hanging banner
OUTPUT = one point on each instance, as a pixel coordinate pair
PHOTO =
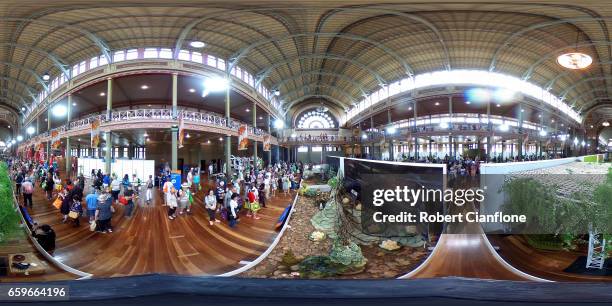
(95, 133)
(181, 131)
(266, 143)
(55, 140)
(243, 142)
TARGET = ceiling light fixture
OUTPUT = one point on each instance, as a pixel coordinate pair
(197, 44)
(575, 60)
(437, 103)
(30, 130)
(605, 123)
(46, 76)
(247, 110)
(192, 90)
(144, 87)
(102, 94)
(73, 103)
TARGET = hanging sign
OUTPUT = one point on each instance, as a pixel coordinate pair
(243, 141)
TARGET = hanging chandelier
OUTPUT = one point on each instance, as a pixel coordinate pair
(574, 60)
(605, 123)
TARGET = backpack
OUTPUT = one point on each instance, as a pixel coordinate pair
(150, 185)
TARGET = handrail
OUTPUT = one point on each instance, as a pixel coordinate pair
(270, 248)
(212, 119)
(61, 265)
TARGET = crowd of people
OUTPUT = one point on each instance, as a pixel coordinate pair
(96, 198)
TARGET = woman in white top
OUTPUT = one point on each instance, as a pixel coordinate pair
(210, 203)
(172, 203)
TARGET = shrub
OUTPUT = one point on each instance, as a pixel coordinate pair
(9, 218)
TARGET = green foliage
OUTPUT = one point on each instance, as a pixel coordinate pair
(289, 259)
(9, 218)
(548, 212)
(311, 193)
(333, 182)
(348, 255)
(318, 267)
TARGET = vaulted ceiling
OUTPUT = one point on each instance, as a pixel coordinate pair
(331, 50)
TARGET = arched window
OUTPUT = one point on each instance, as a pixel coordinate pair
(315, 119)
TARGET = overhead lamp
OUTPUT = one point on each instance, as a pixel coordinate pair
(102, 94)
(197, 44)
(277, 92)
(364, 136)
(148, 139)
(59, 110)
(208, 141)
(497, 105)
(30, 130)
(575, 60)
(260, 118)
(247, 110)
(9, 126)
(504, 127)
(23, 109)
(73, 103)
(444, 125)
(13, 141)
(220, 138)
(468, 102)
(279, 124)
(410, 108)
(46, 76)
(192, 90)
(543, 133)
(605, 123)
(539, 115)
(144, 87)
(437, 103)
(145, 134)
(391, 130)
(188, 136)
(583, 143)
(19, 138)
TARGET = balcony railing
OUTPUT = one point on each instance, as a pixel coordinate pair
(207, 119)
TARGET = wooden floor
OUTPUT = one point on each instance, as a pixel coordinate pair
(545, 264)
(463, 251)
(150, 243)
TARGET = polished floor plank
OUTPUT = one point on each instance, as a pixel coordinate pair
(150, 243)
(545, 264)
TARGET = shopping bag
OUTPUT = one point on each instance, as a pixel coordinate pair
(73, 215)
(92, 226)
(57, 203)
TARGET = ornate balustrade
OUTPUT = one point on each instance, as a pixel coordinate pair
(124, 119)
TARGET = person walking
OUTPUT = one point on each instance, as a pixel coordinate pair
(115, 188)
(76, 210)
(149, 192)
(171, 201)
(48, 186)
(183, 197)
(91, 200)
(27, 188)
(129, 196)
(233, 210)
(210, 203)
(104, 213)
